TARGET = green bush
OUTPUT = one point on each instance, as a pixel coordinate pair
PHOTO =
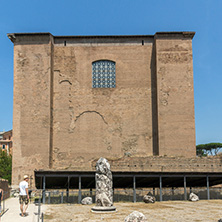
(5, 166)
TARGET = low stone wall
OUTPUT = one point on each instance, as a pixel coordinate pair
(166, 164)
(157, 164)
(5, 187)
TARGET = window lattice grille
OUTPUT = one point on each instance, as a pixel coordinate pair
(104, 74)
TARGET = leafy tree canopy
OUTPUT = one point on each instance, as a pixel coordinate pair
(208, 149)
(5, 166)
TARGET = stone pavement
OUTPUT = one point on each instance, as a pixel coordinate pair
(13, 212)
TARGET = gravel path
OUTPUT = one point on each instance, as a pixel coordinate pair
(169, 211)
(12, 213)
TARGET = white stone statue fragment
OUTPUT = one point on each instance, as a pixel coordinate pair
(104, 187)
(86, 201)
(148, 198)
(136, 216)
(193, 197)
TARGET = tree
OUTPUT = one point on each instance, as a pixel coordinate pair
(5, 166)
(208, 149)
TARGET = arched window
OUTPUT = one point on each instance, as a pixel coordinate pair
(104, 74)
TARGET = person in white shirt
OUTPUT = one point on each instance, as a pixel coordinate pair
(24, 196)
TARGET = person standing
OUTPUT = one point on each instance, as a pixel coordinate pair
(1, 198)
(24, 196)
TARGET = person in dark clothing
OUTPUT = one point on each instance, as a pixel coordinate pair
(1, 198)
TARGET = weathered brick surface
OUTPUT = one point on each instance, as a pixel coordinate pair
(167, 164)
(31, 115)
(174, 66)
(88, 122)
(61, 123)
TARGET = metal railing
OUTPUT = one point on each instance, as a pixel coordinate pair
(36, 197)
(4, 209)
(128, 195)
(69, 197)
(40, 215)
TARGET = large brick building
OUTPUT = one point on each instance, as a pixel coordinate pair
(126, 98)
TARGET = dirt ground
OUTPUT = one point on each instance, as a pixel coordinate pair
(160, 211)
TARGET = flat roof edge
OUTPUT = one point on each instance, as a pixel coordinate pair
(186, 34)
(131, 173)
(105, 36)
(12, 36)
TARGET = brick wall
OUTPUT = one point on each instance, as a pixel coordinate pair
(61, 123)
(5, 187)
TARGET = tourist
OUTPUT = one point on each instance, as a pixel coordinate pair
(24, 196)
(1, 198)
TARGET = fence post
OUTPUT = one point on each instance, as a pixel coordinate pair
(67, 190)
(134, 189)
(185, 187)
(39, 211)
(208, 191)
(80, 192)
(49, 200)
(61, 197)
(161, 198)
(43, 192)
(3, 204)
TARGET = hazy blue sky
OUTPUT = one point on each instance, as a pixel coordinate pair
(125, 17)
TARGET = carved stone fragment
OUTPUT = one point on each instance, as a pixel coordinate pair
(86, 201)
(193, 197)
(104, 183)
(136, 216)
(148, 198)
